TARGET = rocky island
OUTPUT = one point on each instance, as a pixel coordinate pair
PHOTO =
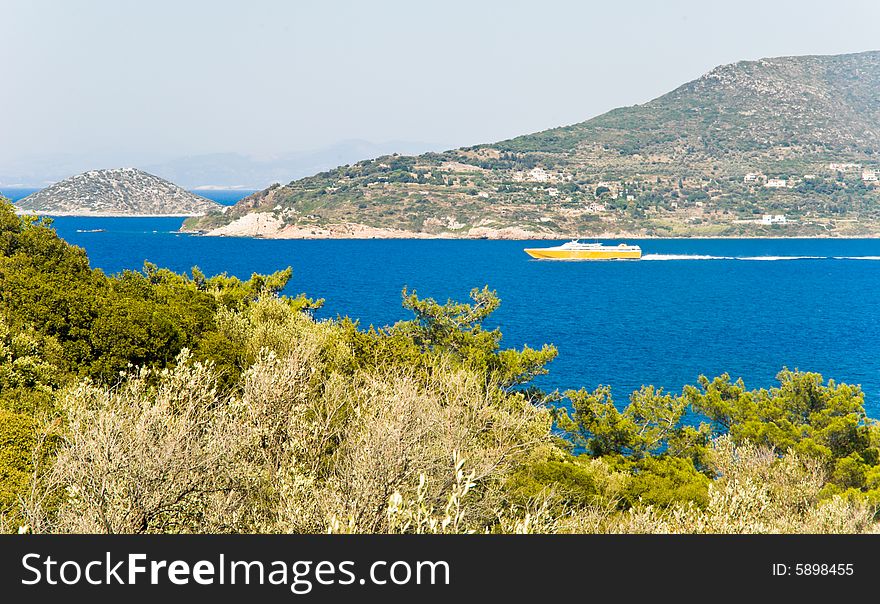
(117, 192)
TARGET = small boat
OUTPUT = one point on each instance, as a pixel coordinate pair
(575, 250)
(91, 230)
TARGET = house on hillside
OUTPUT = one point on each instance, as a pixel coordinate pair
(533, 175)
(772, 219)
(776, 183)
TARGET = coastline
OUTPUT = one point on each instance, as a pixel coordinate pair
(266, 225)
(100, 215)
(354, 231)
(549, 237)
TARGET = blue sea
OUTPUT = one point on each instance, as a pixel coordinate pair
(690, 307)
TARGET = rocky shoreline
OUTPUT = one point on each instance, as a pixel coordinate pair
(265, 226)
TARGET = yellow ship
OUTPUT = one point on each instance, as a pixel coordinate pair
(575, 250)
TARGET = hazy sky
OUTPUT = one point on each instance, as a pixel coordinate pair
(176, 77)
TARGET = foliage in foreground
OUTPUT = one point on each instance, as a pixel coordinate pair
(153, 402)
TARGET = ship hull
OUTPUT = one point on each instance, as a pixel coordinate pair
(609, 254)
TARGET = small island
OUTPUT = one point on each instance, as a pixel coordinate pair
(116, 192)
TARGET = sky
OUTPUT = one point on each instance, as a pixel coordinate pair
(135, 80)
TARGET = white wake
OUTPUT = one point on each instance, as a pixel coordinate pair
(751, 258)
(770, 258)
(683, 257)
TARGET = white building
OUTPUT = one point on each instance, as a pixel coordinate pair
(869, 175)
(776, 183)
(753, 177)
(772, 219)
(533, 175)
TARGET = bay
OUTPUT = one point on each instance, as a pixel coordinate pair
(690, 307)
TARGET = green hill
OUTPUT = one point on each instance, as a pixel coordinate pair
(795, 138)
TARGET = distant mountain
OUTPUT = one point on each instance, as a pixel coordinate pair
(118, 192)
(216, 170)
(780, 146)
(234, 170)
(36, 171)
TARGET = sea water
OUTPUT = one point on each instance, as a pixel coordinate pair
(748, 307)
